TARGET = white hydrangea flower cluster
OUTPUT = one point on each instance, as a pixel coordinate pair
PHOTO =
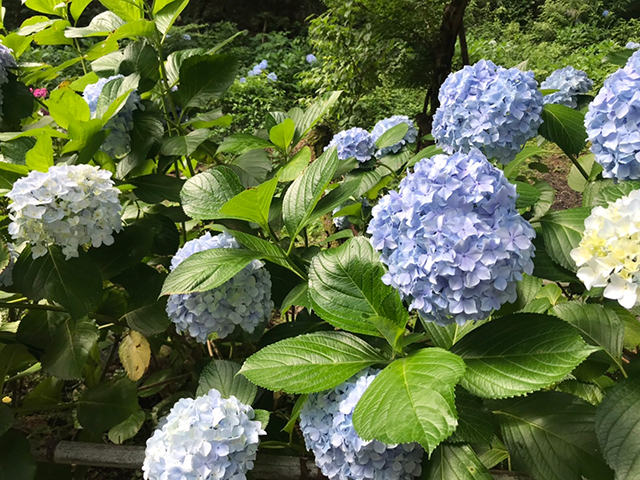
(69, 205)
(118, 143)
(610, 248)
(6, 61)
(327, 427)
(6, 276)
(245, 300)
(210, 438)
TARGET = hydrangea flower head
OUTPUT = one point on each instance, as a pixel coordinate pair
(569, 83)
(613, 123)
(632, 46)
(69, 205)
(242, 80)
(311, 58)
(244, 300)
(488, 107)
(327, 426)
(606, 13)
(355, 142)
(383, 125)
(272, 77)
(211, 438)
(609, 250)
(452, 238)
(118, 143)
(186, 37)
(263, 64)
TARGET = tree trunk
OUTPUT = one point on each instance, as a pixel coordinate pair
(450, 29)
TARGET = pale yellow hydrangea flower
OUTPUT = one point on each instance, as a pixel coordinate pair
(609, 252)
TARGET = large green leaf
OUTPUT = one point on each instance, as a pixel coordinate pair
(129, 10)
(205, 77)
(295, 166)
(128, 428)
(252, 167)
(38, 327)
(445, 336)
(266, 249)
(392, 136)
(455, 462)
(65, 105)
(107, 405)
(476, 424)
(310, 363)
(355, 185)
(305, 192)
(618, 428)
(545, 267)
(156, 188)
(74, 283)
(562, 232)
(281, 135)
(222, 375)
(412, 400)
(16, 460)
(313, 115)
(185, 144)
(252, 205)
(565, 127)
(528, 195)
(167, 16)
(241, 143)
(149, 319)
(518, 354)
(6, 418)
(207, 270)
(346, 289)
(609, 194)
(552, 436)
(204, 194)
(598, 326)
(69, 349)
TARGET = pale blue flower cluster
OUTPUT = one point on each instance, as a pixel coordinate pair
(355, 142)
(452, 238)
(6, 62)
(211, 438)
(311, 58)
(272, 77)
(632, 46)
(613, 123)
(186, 37)
(383, 125)
(569, 83)
(6, 276)
(69, 205)
(327, 426)
(606, 13)
(118, 143)
(488, 107)
(244, 300)
(257, 69)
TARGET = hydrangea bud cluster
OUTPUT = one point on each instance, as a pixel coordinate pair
(488, 107)
(452, 238)
(609, 250)
(118, 143)
(569, 83)
(6, 276)
(244, 300)
(210, 437)
(327, 427)
(69, 205)
(355, 142)
(613, 123)
(6, 62)
(383, 125)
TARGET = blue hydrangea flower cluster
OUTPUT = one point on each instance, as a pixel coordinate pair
(613, 123)
(632, 46)
(606, 13)
(327, 426)
(488, 107)
(6, 276)
(272, 77)
(569, 83)
(118, 143)
(383, 125)
(243, 301)
(452, 238)
(257, 69)
(311, 58)
(186, 37)
(355, 142)
(69, 205)
(211, 438)
(6, 62)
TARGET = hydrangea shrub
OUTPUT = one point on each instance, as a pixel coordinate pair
(353, 143)
(569, 83)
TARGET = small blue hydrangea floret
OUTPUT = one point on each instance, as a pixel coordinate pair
(209, 437)
(327, 426)
(606, 13)
(244, 300)
(242, 80)
(488, 107)
(613, 123)
(452, 239)
(569, 83)
(383, 125)
(69, 205)
(186, 37)
(355, 142)
(311, 58)
(118, 143)
(272, 77)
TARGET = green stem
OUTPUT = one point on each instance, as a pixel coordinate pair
(56, 407)
(51, 308)
(163, 382)
(579, 167)
(32, 369)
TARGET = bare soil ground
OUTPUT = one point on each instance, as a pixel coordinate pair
(559, 167)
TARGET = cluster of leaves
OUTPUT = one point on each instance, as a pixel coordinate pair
(544, 378)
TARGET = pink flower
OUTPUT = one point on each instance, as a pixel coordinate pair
(40, 92)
